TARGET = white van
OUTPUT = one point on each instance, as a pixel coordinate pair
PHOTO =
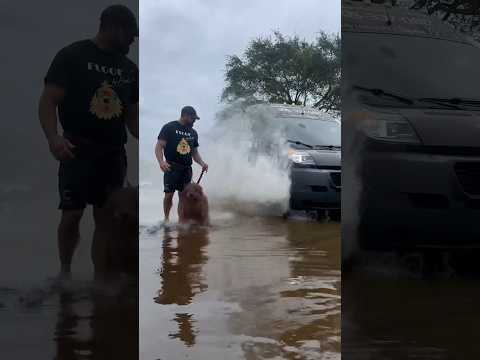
(410, 128)
(310, 140)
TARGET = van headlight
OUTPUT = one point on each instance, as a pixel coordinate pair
(389, 127)
(300, 157)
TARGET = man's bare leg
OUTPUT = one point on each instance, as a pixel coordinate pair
(101, 241)
(68, 234)
(167, 205)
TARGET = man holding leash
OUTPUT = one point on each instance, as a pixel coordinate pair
(176, 149)
(94, 87)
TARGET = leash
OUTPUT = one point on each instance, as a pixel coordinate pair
(201, 175)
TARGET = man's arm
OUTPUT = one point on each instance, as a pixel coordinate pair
(159, 149)
(132, 119)
(198, 159)
(51, 96)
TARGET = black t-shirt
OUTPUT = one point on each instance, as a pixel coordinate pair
(181, 141)
(99, 85)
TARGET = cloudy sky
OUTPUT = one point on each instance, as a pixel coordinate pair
(184, 45)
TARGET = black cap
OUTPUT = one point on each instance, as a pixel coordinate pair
(119, 15)
(189, 110)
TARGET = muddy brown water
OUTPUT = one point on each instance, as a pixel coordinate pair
(247, 288)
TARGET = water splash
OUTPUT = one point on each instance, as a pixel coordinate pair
(239, 179)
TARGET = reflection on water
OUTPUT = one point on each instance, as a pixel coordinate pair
(40, 319)
(74, 322)
(65, 329)
(248, 288)
(97, 325)
(182, 258)
(392, 312)
(186, 332)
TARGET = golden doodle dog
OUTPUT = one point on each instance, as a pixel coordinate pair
(122, 253)
(193, 206)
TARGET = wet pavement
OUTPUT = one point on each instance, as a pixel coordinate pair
(246, 288)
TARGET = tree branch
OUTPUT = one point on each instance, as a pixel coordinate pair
(324, 97)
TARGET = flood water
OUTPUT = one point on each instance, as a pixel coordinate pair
(69, 324)
(392, 309)
(249, 287)
(41, 320)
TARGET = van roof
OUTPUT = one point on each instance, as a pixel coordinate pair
(362, 17)
(295, 111)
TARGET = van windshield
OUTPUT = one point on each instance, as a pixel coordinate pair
(410, 66)
(313, 132)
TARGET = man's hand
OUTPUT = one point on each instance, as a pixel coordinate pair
(204, 166)
(61, 148)
(165, 166)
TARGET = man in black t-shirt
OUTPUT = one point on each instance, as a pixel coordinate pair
(94, 87)
(178, 142)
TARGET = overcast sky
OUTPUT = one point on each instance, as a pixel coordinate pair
(184, 45)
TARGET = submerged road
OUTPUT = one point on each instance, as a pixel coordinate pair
(246, 288)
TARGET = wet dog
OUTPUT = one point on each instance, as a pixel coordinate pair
(123, 240)
(193, 206)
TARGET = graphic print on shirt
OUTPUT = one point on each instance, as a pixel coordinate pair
(183, 147)
(105, 103)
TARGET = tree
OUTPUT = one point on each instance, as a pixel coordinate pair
(287, 70)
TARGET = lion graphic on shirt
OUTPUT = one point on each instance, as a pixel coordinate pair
(105, 103)
(183, 147)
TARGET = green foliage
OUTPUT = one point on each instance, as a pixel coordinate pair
(287, 70)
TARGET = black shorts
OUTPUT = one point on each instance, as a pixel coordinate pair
(177, 178)
(90, 177)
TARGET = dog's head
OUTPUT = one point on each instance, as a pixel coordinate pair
(193, 192)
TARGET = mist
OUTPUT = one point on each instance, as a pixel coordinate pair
(239, 180)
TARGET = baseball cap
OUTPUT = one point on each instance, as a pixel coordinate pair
(120, 15)
(189, 110)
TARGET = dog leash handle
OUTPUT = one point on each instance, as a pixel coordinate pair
(201, 175)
